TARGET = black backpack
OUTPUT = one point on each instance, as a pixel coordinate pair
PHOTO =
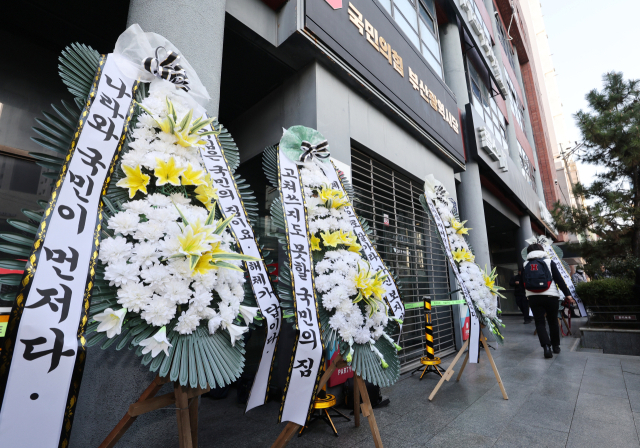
(536, 276)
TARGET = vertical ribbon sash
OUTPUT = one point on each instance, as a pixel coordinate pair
(393, 296)
(42, 367)
(230, 202)
(567, 278)
(474, 336)
(308, 354)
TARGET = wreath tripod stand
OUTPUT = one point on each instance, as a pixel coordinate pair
(359, 390)
(185, 400)
(449, 372)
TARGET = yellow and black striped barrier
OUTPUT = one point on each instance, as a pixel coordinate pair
(430, 361)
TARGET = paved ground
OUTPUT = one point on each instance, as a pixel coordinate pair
(577, 399)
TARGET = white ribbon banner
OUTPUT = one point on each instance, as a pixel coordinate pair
(474, 336)
(370, 252)
(49, 340)
(567, 278)
(308, 355)
(230, 202)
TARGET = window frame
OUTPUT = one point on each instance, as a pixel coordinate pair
(490, 113)
(392, 9)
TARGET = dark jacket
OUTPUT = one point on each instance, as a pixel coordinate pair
(520, 292)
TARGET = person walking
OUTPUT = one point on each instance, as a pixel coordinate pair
(541, 279)
(579, 276)
(521, 295)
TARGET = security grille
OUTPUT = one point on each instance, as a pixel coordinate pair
(407, 241)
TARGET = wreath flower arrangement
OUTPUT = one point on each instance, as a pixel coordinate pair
(480, 283)
(353, 313)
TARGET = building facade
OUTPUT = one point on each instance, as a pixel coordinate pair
(400, 88)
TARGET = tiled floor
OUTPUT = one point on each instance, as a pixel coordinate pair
(577, 399)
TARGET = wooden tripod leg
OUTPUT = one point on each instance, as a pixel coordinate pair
(193, 417)
(367, 411)
(449, 372)
(464, 364)
(356, 403)
(493, 366)
(292, 428)
(182, 413)
(126, 421)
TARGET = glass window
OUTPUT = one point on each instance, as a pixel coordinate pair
(486, 106)
(386, 4)
(417, 18)
(409, 12)
(504, 40)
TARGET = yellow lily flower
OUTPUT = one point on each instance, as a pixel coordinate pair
(330, 239)
(364, 283)
(185, 130)
(377, 289)
(193, 177)
(490, 281)
(355, 247)
(168, 173)
(204, 264)
(135, 181)
(333, 198)
(347, 238)
(207, 193)
(192, 243)
(459, 227)
(315, 243)
(461, 255)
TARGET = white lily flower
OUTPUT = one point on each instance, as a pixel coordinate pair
(156, 343)
(235, 332)
(248, 313)
(111, 321)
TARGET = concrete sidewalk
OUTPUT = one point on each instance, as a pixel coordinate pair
(576, 399)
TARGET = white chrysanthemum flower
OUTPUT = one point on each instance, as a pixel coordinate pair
(114, 249)
(124, 222)
(120, 273)
(159, 311)
(134, 295)
(187, 322)
(177, 291)
(159, 200)
(144, 254)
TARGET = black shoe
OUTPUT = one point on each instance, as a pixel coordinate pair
(556, 349)
(527, 321)
(547, 351)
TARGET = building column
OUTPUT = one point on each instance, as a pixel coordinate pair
(472, 209)
(523, 233)
(453, 62)
(196, 28)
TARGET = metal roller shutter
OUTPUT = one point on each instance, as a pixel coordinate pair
(407, 241)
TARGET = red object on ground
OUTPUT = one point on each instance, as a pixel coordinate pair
(340, 375)
(465, 328)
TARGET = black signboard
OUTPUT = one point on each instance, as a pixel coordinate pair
(363, 34)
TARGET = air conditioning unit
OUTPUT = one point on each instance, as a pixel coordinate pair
(485, 44)
(464, 5)
(473, 21)
(487, 143)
